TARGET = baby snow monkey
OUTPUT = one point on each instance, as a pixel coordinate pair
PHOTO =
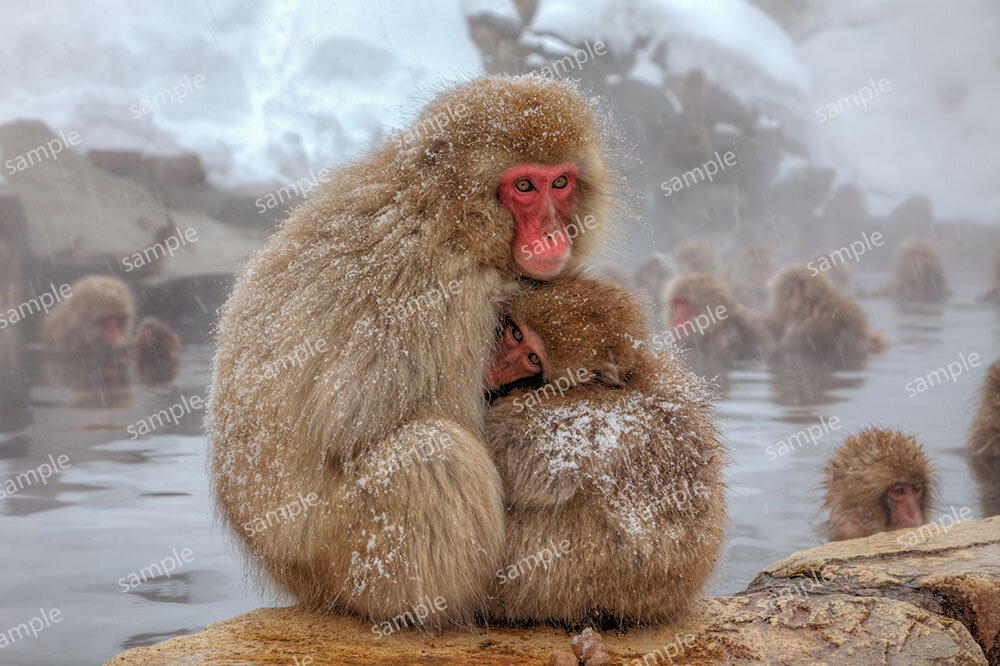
(610, 459)
(878, 480)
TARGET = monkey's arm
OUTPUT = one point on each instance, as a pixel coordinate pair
(532, 475)
(547, 453)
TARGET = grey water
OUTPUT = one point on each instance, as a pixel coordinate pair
(123, 504)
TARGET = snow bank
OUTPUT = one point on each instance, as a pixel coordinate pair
(937, 131)
(740, 48)
(285, 85)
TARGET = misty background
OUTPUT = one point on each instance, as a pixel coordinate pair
(191, 114)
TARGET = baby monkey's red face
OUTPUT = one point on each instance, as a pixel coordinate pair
(540, 196)
(519, 354)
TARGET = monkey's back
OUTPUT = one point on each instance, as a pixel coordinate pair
(645, 511)
(346, 286)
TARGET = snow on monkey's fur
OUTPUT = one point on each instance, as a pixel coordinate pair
(419, 209)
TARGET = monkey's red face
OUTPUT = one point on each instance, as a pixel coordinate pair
(683, 311)
(920, 258)
(519, 354)
(540, 196)
(112, 327)
(905, 501)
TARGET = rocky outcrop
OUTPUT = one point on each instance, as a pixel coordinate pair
(948, 568)
(154, 221)
(930, 597)
(747, 629)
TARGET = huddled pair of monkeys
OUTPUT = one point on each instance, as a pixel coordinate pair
(746, 275)
(90, 344)
(808, 318)
(624, 465)
(804, 313)
(621, 461)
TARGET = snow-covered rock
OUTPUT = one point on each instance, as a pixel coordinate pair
(284, 85)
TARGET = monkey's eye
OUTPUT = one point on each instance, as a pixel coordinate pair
(560, 182)
(524, 185)
(917, 487)
(534, 360)
(898, 491)
(515, 333)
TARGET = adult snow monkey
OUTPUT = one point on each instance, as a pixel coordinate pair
(813, 319)
(732, 332)
(86, 335)
(612, 465)
(398, 267)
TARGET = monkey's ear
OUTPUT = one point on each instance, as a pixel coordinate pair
(608, 374)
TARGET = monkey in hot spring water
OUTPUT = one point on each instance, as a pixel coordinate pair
(878, 480)
(471, 206)
(90, 345)
(611, 456)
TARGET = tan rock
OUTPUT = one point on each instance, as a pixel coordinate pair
(953, 572)
(76, 213)
(746, 629)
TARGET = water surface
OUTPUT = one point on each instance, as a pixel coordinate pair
(125, 504)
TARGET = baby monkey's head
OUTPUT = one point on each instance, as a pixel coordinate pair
(587, 328)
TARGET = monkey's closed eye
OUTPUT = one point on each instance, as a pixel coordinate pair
(524, 185)
(560, 182)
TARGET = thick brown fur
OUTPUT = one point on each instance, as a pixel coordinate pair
(812, 318)
(984, 436)
(156, 347)
(738, 334)
(350, 266)
(76, 353)
(859, 474)
(984, 443)
(628, 472)
(908, 283)
(695, 256)
(746, 288)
